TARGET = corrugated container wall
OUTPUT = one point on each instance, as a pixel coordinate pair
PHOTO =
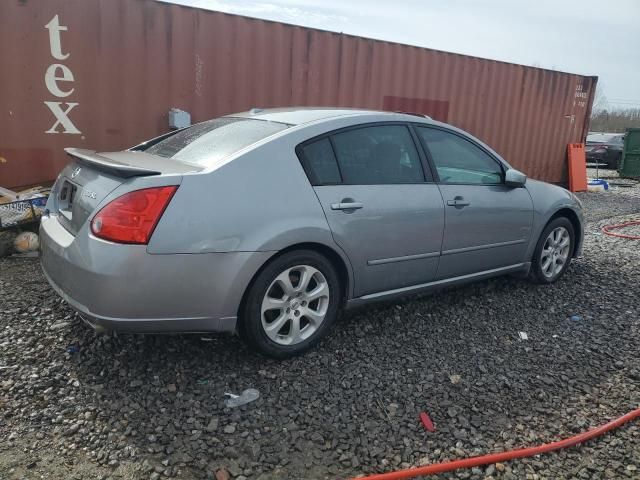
(102, 74)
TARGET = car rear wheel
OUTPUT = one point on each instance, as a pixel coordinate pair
(615, 163)
(291, 304)
(553, 251)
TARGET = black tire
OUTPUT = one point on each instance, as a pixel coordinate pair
(250, 325)
(537, 274)
(613, 163)
(616, 162)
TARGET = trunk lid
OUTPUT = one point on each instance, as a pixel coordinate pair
(590, 146)
(86, 181)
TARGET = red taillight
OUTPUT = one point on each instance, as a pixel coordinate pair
(132, 217)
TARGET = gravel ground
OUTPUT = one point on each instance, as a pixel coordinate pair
(74, 405)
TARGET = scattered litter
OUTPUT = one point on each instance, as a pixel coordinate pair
(575, 318)
(203, 381)
(73, 349)
(426, 422)
(554, 336)
(206, 339)
(212, 425)
(222, 474)
(523, 335)
(383, 408)
(624, 185)
(9, 195)
(26, 242)
(18, 208)
(597, 185)
(248, 396)
(455, 379)
(59, 326)
(26, 255)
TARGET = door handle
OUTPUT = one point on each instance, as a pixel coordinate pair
(458, 202)
(346, 206)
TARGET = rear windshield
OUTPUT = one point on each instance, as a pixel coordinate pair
(206, 143)
(601, 137)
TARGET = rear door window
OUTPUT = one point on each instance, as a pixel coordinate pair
(208, 142)
(381, 154)
(320, 163)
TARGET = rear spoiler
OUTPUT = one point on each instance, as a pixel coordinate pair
(108, 165)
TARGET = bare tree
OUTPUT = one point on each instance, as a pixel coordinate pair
(614, 120)
(599, 99)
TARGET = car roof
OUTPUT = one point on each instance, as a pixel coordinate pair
(301, 115)
(605, 133)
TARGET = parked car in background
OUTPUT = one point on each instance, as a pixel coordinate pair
(267, 223)
(605, 148)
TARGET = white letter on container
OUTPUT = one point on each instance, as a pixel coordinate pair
(62, 117)
(55, 28)
(52, 80)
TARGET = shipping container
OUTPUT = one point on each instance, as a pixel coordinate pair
(103, 75)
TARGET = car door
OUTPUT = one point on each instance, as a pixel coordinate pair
(383, 211)
(487, 223)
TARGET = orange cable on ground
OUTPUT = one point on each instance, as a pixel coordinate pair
(607, 230)
(504, 456)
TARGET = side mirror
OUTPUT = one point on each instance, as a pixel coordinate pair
(514, 178)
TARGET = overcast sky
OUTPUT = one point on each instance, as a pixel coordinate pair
(588, 37)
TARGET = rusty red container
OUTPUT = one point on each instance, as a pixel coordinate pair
(103, 74)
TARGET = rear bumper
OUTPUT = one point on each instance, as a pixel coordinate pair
(598, 157)
(124, 288)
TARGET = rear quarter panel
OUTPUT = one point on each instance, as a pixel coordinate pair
(261, 201)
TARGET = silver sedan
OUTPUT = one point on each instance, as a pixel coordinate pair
(268, 223)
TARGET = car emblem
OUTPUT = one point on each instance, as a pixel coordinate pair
(90, 194)
(75, 173)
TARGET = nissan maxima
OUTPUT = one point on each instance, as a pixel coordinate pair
(268, 223)
(605, 148)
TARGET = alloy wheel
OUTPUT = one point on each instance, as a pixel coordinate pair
(555, 252)
(295, 305)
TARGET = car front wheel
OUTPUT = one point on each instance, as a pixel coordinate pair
(291, 304)
(553, 251)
